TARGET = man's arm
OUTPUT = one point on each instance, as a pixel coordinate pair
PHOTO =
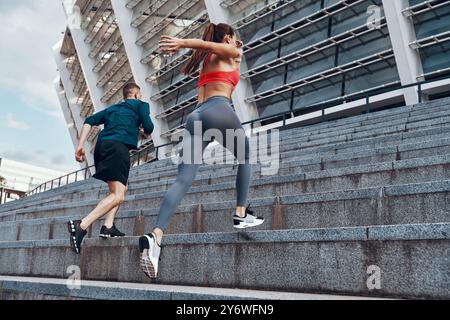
(144, 115)
(95, 120)
(80, 153)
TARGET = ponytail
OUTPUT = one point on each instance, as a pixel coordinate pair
(212, 33)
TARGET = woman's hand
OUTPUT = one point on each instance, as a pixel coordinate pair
(170, 45)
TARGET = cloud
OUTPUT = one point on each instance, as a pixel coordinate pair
(58, 159)
(12, 122)
(29, 30)
(36, 158)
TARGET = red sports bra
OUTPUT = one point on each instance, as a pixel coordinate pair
(229, 77)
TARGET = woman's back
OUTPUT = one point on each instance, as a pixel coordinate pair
(218, 77)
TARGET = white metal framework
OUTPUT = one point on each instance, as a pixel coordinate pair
(118, 43)
(361, 63)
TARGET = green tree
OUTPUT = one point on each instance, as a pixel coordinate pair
(2, 181)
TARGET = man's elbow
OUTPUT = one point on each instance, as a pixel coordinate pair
(149, 129)
(89, 121)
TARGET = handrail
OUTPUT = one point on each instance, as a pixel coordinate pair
(85, 173)
(136, 156)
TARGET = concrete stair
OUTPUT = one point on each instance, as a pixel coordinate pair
(19, 288)
(366, 190)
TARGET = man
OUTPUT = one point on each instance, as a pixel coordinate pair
(112, 159)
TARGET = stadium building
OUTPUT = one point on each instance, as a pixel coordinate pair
(304, 60)
(358, 207)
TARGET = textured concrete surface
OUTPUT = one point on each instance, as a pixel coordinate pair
(400, 204)
(414, 260)
(26, 288)
(350, 193)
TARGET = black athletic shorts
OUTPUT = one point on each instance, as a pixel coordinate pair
(112, 161)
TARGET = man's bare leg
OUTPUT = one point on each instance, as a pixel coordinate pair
(115, 198)
(111, 215)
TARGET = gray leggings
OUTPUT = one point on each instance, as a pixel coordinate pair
(214, 113)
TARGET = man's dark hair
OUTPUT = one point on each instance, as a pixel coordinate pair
(128, 89)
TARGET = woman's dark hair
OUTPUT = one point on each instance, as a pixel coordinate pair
(213, 33)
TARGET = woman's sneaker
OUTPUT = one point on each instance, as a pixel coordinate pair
(112, 232)
(248, 221)
(76, 235)
(150, 252)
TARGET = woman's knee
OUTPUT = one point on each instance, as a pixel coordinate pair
(187, 175)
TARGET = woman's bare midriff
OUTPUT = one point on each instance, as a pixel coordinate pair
(214, 89)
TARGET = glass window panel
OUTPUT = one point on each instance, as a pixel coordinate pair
(304, 38)
(435, 57)
(372, 76)
(328, 3)
(271, 106)
(256, 29)
(414, 2)
(311, 65)
(364, 46)
(296, 12)
(261, 55)
(268, 80)
(351, 18)
(318, 92)
(432, 22)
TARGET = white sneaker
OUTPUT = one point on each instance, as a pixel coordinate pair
(150, 252)
(248, 221)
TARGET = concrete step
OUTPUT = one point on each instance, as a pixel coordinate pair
(304, 152)
(28, 288)
(392, 205)
(303, 137)
(413, 260)
(316, 152)
(332, 146)
(374, 117)
(307, 164)
(418, 170)
(302, 143)
(389, 133)
(350, 159)
(374, 142)
(163, 165)
(364, 126)
(409, 149)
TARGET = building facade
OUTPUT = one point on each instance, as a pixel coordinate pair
(24, 177)
(298, 54)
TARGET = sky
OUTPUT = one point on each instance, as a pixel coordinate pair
(32, 125)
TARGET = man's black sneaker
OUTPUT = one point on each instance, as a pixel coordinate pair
(248, 221)
(76, 235)
(112, 232)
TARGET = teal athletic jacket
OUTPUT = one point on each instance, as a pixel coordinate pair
(122, 121)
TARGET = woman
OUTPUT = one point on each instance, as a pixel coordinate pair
(221, 53)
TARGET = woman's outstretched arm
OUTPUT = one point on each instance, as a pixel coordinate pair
(173, 45)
